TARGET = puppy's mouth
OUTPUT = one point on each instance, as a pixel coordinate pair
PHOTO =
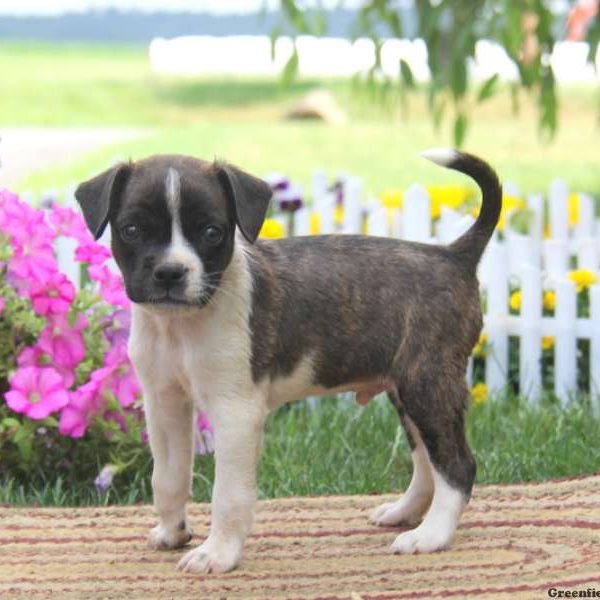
(169, 301)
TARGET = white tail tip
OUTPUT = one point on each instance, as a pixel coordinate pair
(440, 156)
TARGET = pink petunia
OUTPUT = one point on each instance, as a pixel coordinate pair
(36, 392)
(35, 264)
(69, 223)
(204, 435)
(85, 403)
(92, 253)
(111, 285)
(119, 376)
(64, 342)
(52, 296)
(116, 327)
(34, 356)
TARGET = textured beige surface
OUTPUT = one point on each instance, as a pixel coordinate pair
(514, 541)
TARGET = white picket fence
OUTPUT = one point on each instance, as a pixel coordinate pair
(534, 262)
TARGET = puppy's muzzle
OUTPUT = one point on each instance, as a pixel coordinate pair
(170, 277)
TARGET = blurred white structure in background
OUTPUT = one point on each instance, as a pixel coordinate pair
(337, 57)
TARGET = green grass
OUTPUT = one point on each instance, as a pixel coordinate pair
(340, 448)
(240, 120)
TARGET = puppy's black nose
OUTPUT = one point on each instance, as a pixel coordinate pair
(169, 274)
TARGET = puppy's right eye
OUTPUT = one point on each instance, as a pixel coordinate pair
(130, 232)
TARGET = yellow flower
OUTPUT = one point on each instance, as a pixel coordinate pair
(452, 196)
(515, 300)
(549, 300)
(547, 342)
(338, 215)
(272, 230)
(392, 198)
(583, 278)
(315, 223)
(479, 393)
(573, 209)
(509, 204)
(480, 346)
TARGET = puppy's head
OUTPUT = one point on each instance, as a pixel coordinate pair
(173, 221)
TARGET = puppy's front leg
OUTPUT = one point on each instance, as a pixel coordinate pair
(170, 422)
(238, 429)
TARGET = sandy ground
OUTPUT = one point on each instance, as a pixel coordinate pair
(25, 150)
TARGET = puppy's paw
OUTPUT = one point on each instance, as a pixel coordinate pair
(421, 540)
(403, 512)
(211, 557)
(163, 538)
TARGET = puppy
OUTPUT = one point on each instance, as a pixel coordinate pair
(237, 326)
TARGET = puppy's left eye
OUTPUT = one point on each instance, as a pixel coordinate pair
(213, 235)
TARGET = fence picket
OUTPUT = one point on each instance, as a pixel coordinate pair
(377, 223)
(496, 364)
(565, 345)
(530, 351)
(353, 194)
(417, 219)
(595, 348)
(558, 205)
(556, 258)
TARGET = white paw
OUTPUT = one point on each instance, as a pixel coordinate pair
(420, 540)
(402, 512)
(211, 557)
(163, 538)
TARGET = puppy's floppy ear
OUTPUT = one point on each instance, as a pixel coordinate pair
(248, 195)
(97, 196)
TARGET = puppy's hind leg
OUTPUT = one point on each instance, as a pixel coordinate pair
(417, 498)
(437, 410)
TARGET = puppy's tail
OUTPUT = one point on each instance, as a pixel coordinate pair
(470, 246)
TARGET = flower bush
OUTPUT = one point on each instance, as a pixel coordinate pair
(64, 369)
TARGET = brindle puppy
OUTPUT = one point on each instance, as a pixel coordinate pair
(237, 326)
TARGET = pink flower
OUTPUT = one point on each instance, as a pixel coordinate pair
(34, 356)
(53, 295)
(111, 285)
(85, 403)
(2, 304)
(31, 239)
(31, 264)
(119, 376)
(69, 223)
(64, 342)
(36, 392)
(92, 253)
(204, 435)
(116, 327)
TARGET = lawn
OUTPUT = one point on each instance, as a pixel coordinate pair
(241, 120)
(346, 449)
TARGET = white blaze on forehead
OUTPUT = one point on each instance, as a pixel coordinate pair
(173, 185)
(180, 251)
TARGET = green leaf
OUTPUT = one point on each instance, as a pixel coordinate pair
(291, 67)
(458, 77)
(11, 422)
(460, 129)
(488, 89)
(407, 74)
(275, 33)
